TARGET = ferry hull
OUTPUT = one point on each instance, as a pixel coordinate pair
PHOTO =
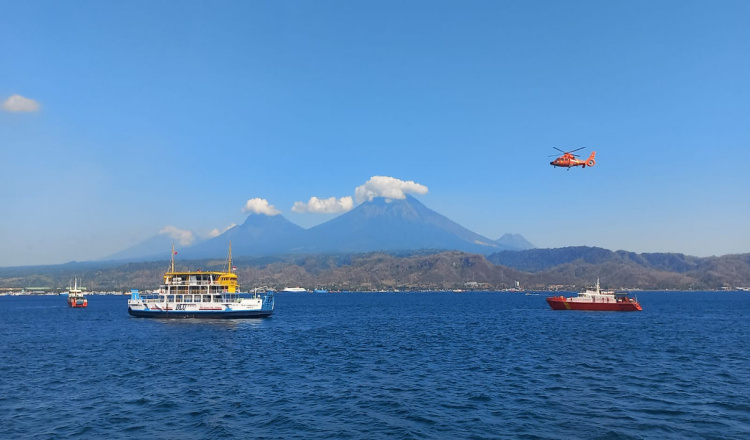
(561, 303)
(209, 314)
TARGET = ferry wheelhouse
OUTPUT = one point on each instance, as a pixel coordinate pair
(199, 294)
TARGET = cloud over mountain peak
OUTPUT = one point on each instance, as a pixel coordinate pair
(388, 187)
(260, 206)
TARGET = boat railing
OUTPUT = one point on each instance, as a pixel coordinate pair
(170, 297)
(183, 282)
(161, 296)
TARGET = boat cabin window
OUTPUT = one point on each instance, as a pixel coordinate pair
(206, 298)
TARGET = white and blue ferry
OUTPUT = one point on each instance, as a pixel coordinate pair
(199, 294)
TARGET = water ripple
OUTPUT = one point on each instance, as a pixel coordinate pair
(407, 366)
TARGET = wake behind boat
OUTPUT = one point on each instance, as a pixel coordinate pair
(596, 300)
(198, 294)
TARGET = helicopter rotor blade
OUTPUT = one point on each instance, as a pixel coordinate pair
(570, 151)
(567, 152)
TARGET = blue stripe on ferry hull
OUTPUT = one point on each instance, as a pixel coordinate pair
(202, 315)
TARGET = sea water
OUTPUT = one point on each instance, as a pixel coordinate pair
(431, 365)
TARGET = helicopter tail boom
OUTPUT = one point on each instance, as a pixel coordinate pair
(590, 161)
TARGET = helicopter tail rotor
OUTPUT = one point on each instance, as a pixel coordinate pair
(590, 161)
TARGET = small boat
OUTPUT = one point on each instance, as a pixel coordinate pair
(320, 291)
(294, 289)
(200, 294)
(596, 300)
(76, 298)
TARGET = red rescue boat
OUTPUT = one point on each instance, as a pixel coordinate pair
(596, 300)
(76, 298)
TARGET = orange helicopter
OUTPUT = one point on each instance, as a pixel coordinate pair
(568, 159)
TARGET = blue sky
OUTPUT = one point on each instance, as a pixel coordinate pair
(123, 119)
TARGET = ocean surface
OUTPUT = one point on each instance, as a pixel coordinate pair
(426, 365)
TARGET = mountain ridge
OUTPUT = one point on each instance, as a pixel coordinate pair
(417, 271)
(514, 242)
(382, 225)
(378, 224)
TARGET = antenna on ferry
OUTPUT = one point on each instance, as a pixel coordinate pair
(229, 258)
(171, 266)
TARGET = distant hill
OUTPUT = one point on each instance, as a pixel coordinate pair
(629, 269)
(404, 225)
(563, 269)
(514, 242)
(382, 225)
(398, 244)
(536, 260)
(258, 235)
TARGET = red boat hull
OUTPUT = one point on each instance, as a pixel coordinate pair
(78, 303)
(561, 303)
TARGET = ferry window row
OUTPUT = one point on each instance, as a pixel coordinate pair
(190, 298)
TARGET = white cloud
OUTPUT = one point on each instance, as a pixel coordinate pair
(388, 187)
(215, 232)
(19, 104)
(260, 206)
(324, 206)
(183, 237)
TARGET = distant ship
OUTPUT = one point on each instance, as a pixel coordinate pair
(75, 296)
(596, 300)
(294, 289)
(320, 291)
(199, 294)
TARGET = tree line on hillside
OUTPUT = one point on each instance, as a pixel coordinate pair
(537, 269)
